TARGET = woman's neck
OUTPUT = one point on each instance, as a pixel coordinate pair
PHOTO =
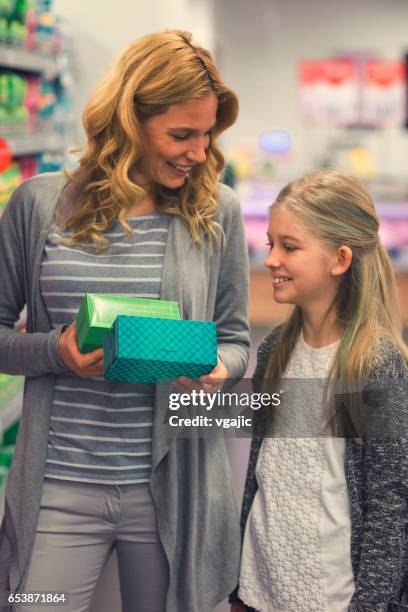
(142, 208)
(321, 330)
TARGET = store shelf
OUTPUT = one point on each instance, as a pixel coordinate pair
(30, 144)
(19, 59)
(11, 412)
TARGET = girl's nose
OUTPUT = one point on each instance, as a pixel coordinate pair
(272, 260)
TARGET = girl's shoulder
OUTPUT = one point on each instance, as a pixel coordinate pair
(388, 361)
(385, 391)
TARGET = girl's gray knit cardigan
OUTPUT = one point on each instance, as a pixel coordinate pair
(377, 480)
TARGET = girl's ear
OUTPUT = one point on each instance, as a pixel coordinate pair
(343, 259)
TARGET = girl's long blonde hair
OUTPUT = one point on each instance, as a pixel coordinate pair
(338, 210)
(154, 72)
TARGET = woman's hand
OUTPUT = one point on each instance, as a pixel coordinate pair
(210, 383)
(89, 364)
(237, 606)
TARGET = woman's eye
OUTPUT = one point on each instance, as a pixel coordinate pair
(180, 136)
(289, 248)
(269, 244)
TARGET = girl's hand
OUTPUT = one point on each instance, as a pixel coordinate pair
(89, 364)
(211, 382)
(238, 607)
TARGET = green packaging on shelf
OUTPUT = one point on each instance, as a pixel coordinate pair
(9, 387)
(6, 455)
(10, 434)
(3, 479)
(149, 350)
(98, 312)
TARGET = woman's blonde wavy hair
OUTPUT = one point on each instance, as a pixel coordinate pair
(154, 72)
(338, 210)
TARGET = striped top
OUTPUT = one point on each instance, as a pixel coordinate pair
(101, 431)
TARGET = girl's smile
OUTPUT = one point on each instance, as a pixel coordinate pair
(279, 281)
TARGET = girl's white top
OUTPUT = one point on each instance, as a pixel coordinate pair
(297, 551)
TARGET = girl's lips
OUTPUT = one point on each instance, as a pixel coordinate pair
(279, 281)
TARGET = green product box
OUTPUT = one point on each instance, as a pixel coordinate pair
(147, 350)
(98, 312)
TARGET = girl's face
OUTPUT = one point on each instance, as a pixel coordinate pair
(302, 267)
(177, 140)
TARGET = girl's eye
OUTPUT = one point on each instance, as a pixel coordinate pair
(269, 244)
(289, 248)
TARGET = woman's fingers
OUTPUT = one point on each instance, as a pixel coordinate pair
(83, 364)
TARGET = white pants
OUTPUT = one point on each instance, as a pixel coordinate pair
(79, 525)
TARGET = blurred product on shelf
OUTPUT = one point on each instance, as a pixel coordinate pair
(6, 455)
(10, 408)
(7, 447)
(10, 434)
(28, 166)
(361, 90)
(27, 103)
(49, 162)
(25, 167)
(30, 24)
(37, 120)
(13, 112)
(13, 15)
(9, 181)
(5, 155)
(47, 38)
(10, 386)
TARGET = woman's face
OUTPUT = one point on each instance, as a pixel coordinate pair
(177, 140)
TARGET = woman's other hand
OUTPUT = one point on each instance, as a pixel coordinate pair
(89, 364)
(210, 383)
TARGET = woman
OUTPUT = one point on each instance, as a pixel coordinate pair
(142, 215)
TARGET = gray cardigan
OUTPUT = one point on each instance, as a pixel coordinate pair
(377, 481)
(190, 483)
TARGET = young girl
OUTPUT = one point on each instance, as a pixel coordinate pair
(324, 518)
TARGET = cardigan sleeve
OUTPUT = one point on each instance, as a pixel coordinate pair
(231, 304)
(29, 354)
(383, 547)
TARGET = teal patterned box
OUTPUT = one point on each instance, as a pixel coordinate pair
(151, 350)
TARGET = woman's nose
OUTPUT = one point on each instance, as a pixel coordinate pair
(197, 152)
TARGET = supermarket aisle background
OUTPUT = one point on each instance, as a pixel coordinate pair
(264, 70)
(107, 597)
